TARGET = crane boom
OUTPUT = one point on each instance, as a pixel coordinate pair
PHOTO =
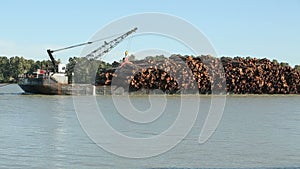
(97, 53)
(107, 46)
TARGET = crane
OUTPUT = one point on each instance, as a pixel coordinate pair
(97, 53)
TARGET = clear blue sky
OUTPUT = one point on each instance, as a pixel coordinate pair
(257, 28)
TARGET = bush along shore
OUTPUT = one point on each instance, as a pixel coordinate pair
(204, 74)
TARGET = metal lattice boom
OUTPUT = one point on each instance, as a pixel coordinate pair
(97, 53)
(107, 46)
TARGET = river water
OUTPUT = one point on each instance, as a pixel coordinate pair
(38, 131)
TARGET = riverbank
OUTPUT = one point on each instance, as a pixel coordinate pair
(4, 84)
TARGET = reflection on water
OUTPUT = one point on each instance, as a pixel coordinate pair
(39, 131)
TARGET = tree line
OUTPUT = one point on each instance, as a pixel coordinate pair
(14, 67)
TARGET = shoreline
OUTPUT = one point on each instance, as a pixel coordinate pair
(5, 84)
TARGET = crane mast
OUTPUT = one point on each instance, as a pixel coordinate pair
(95, 54)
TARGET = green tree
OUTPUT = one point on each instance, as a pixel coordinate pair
(284, 64)
(275, 61)
(70, 68)
(115, 64)
(297, 67)
(17, 67)
(4, 69)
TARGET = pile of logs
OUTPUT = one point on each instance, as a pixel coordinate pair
(204, 74)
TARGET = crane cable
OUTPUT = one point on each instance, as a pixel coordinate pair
(86, 43)
(107, 46)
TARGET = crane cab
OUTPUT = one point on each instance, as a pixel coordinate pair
(62, 68)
